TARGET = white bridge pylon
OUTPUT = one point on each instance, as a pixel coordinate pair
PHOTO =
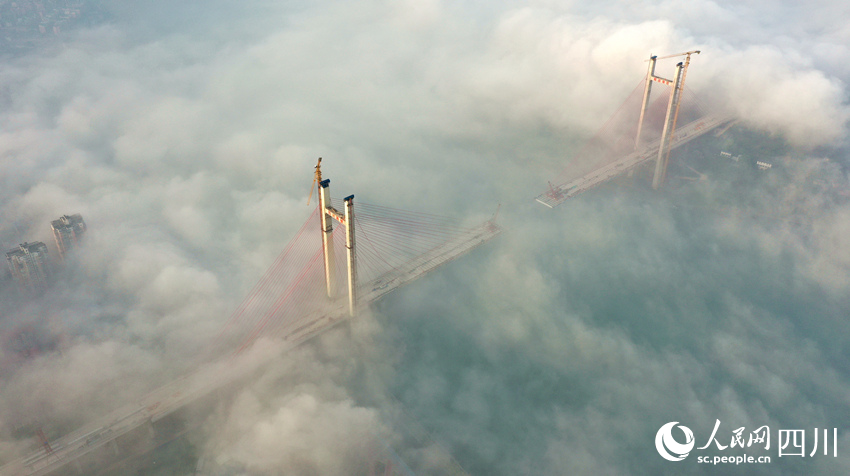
(669, 128)
(326, 216)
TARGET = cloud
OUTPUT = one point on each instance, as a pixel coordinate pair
(304, 435)
(772, 90)
(188, 148)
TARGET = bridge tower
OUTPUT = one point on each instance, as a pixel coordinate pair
(346, 218)
(669, 128)
(667, 131)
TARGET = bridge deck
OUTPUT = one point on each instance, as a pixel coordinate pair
(685, 134)
(185, 390)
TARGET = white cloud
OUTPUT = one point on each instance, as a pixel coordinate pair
(189, 152)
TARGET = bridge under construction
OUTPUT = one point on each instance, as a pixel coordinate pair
(297, 299)
(300, 295)
(607, 155)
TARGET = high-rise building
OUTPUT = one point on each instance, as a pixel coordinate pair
(29, 265)
(67, 230)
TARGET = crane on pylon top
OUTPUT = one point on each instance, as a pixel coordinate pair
(317, 178)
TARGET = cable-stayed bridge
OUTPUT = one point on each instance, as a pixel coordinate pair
(640, 131)
(372, 252)
(295, 300)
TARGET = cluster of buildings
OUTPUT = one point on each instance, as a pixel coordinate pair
(30, 22)
(30, 264)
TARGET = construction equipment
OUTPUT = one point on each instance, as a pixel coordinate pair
(317, 178)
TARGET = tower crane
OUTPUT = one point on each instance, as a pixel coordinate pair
(317, 177)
